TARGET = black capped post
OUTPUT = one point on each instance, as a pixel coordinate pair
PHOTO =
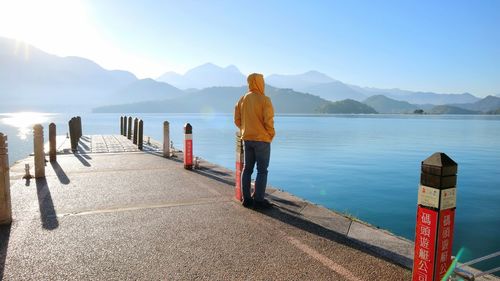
(121, 125)
(435, 217)
(73, 134)
(79, 127)
(140, 137)
(129, 128)
(188, 146)
(52, 142)
(125, 126)
(136, 131)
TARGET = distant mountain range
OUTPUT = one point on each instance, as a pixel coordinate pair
(222, 100)
(312, 82)
(145, 90)
(299, 81)
(319, 84)
(31, 79)
(205, 76)
(346, 107)
(384, 104)
(448, 109)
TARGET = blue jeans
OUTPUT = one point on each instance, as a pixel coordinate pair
(255, 152)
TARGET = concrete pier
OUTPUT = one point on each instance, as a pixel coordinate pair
(106, 213)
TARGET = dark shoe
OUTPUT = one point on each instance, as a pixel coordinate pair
(247, 203)
(264, 204)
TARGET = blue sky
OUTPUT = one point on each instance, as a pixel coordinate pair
(441, 46)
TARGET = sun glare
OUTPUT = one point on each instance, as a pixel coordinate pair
(24, 121)
(67, 28)
(52, 25)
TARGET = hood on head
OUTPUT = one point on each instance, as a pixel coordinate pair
(256, 83)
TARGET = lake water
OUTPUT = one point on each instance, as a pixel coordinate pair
(367, 166)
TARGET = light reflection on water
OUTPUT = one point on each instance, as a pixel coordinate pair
(24, 121)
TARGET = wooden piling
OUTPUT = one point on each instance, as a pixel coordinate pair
(5, 202)
(79, 127)
(121, 125)
(39, 151)
(129, 128)
(73, 134)
(52, 142)
(136, 131)
(140, 137)
(125, 126)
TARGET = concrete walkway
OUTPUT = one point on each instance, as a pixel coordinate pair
(138, 216)
(97, 144)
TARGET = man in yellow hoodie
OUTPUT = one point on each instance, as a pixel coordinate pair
(254, 115)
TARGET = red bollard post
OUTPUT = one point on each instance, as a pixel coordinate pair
(188, 146)
(239, 166)
(435, 218)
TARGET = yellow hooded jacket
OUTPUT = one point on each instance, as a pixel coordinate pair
(254, 113)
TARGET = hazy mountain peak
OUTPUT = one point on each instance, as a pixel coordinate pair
(299, 82)
(171, 73)
(317, 77)
(206, 67)
(232, 68)
(204, 76)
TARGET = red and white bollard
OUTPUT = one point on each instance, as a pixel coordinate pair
(435, 218)
(188, 147)
(239, 167)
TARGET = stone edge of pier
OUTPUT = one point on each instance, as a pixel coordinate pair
(381, 242)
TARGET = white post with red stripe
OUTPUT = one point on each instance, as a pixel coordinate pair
(188, 146)
(239, 166)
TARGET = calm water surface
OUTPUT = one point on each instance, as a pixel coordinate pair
(365, 165)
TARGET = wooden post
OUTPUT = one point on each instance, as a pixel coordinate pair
(79, 127)
(140, 137)
(129, 128)
(39, 153)
(73, 134)
(136, 131)
(52, 142)
(121, 125)
(5, 203)
(435, 217)
(166, 139)
(125, 126)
